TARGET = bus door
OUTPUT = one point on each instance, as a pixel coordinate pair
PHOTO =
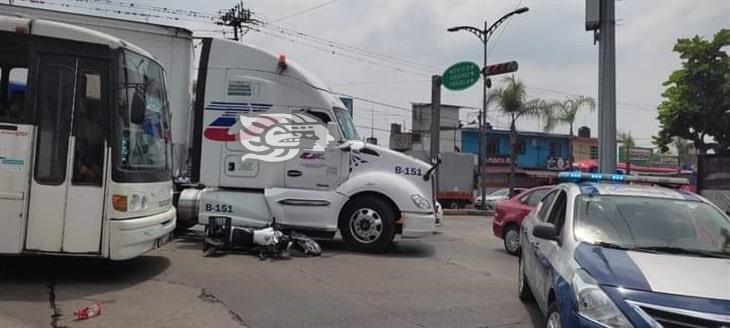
(67, 187)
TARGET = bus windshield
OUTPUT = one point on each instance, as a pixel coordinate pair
(144, 144)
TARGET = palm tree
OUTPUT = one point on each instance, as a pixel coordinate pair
(628, 141)
(565, 112)
(513, 102)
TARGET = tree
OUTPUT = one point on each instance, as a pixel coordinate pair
(628, 142)
(696, 101)
(513, 102)
(565, 112)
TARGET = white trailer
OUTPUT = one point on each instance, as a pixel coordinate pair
(170, 46)
(85, 152)
(368, 193)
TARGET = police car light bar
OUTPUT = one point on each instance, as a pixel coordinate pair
(580, 176)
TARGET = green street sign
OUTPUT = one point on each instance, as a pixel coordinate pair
(460, 76)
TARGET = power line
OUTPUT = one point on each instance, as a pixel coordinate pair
(333, 52)
(304, 11)
(190, 13)
(127, 12)
(380, 56)
(379, 82)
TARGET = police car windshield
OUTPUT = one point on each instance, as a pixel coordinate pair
(650, 223)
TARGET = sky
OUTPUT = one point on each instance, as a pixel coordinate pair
(557, 57)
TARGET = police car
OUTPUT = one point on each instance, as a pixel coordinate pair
(601, 252)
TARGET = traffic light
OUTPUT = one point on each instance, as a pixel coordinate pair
(501, 68)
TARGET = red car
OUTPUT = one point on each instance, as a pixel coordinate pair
(509, 214)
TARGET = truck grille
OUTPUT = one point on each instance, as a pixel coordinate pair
(668, 317)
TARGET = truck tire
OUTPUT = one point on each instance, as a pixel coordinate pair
(367, 224)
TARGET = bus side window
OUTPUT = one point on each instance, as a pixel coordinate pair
(54, 109)
(89, 130)
(13, 108)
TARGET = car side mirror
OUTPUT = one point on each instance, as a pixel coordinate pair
(139, 107)
(546, 231)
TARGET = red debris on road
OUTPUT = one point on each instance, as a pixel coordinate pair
(88, 312)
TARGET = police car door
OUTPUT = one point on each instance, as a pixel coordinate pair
(530, 249)
(545, 252)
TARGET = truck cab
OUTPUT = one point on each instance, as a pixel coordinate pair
(272, 142)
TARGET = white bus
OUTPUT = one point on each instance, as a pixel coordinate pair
(85, 146)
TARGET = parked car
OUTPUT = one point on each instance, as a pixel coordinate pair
(509, 213)
(600, 253)
(493, 197)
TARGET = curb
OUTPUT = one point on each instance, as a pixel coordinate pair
(468, 212)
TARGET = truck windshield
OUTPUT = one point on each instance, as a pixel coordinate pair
(144, 143)
(652, 223)
(346, 126)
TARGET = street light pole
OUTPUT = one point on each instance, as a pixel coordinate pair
(482, 181)
(483, 36)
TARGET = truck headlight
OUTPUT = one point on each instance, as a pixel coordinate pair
(421, 202)
(594, 304)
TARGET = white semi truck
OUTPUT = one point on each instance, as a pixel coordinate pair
(366, 192)
(85, 149)
(250, 105)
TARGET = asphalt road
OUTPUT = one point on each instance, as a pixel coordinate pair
(460, 277)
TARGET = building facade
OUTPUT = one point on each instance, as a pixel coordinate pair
(449, 134)
(539, 155)
(585, 149)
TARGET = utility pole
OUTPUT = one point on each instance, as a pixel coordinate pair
(236, 17)
(435, 125)
(372, 123)
(607, 87)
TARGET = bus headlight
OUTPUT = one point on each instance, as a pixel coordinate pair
(421, 202)
(594, 304)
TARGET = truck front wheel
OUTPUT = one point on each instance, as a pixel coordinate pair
(367, 224)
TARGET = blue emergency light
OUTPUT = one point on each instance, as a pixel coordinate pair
(577, 176)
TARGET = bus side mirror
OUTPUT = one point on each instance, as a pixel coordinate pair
(139, 107)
